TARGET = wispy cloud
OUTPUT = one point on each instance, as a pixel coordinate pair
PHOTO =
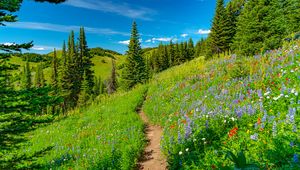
(126, 42)
(160, 39)
(43, 48)
(63, 28)
(203, 31)
(123, 9)
(184, 35)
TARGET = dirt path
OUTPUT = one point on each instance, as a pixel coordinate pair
(152, 158)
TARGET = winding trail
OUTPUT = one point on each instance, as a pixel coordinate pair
(152, 158)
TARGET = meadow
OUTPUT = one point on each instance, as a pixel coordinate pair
(230, 111)
(224, 113)
(102, 136)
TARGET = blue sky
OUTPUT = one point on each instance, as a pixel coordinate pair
(108, 22)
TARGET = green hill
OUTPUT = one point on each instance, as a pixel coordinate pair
(210, 111)
(101, 59)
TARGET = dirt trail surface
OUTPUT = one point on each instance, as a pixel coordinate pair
(152, 158)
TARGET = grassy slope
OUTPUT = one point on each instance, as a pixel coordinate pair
(102, 69)
(199, 103)
(101, 137)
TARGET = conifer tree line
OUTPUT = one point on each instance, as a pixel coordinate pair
(168, 55)
(248, 27)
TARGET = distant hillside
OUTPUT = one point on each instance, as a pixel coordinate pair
(101, 59)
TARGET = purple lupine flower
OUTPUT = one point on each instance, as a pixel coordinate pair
(294, 128)
(259, 93)
(206, 124)
(179, 137)
(290, 117)
(239, 112)
(274, 128)
(296, 158)
(264, 117)
(188, 128)
(254, 137)
(250, 109)
(271, 118)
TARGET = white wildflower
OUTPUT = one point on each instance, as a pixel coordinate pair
(180, 153)
(267, 93)
(232, 118)
(187, 149)
(203, 139)
(286, 96)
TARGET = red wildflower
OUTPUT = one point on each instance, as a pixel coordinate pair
(232, 132)
(258, 121)
(183, 121)
(172, 126)
(213, 166)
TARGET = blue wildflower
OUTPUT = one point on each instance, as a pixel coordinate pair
(296, 158)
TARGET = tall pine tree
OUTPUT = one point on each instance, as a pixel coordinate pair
(217, 35)
(135, 68)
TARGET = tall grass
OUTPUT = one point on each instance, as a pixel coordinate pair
(228, 105)
(103, 136)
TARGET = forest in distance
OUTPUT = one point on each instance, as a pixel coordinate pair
(226, 100)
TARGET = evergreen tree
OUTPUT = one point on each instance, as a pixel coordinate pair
(54, 74)
(171, 54)
(64, 78)
(177, 54)
(73, 71)
(112, 85)
(98, 87)
(39, 77)
(217, 34)
(191, 49)
(259, 27)
(84, 96)
(27, 82)
(135, 69)
(86, 65)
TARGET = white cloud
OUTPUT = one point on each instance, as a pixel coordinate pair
(8, 44)
(203, 31)
(159, 39)
(43, 48)
(126, 42)
(123, 9)
(63, 28)
(184, 35)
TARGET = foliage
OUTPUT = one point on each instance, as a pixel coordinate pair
(134, 71)
(102, 136)
(210, 108)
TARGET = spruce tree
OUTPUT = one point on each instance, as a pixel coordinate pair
(64, 79)
(171, 54)
(112, 84)
(261, 26)
(54, 73)
(27, 82)
(87, 64)
(84, 96)
(39, 77)
(135, 69)
(191, 49)
(217, 34)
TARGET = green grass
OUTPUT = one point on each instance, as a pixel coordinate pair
(211, 108)
(108, 135)
(102, 66)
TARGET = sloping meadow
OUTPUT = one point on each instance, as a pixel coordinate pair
(230, 112)
(108, 135)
